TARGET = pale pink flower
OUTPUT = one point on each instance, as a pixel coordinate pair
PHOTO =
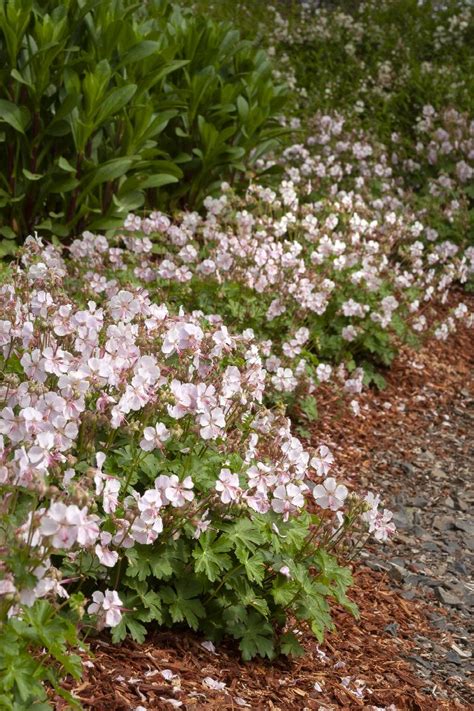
(107, 607)
(384, 526)
(153, 437)
(182, 337)
(330, 494)
(229, 486)
(103, 552)
(7, 587)
(110, 494)
(179, 492)
(66, 525)
(124, 306)
(323, 461)
(150, 505)
(287, 499)
(212, 423)
(202, 525)
(146, 533)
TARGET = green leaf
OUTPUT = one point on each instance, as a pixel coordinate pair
(31, 176)
(65, 165)
(211, 556)
(189, 610)
(183, 603)
(156, 181)
(243, 532)
(108, 171)
(7, 232)
(254, 566)
(284, 592)
(129, 625)
(290, 646)
(256, 637)
(17, 117)
(114, 102)
(16, 75)
(310, 408)
(243, 108)
(140, 51)
(248, 596)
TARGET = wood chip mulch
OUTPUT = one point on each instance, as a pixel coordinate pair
(433, 378)
(360, 665)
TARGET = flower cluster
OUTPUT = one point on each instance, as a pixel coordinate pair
(333, 266)
(124, 424)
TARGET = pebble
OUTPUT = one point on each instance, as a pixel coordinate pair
(443, 523)
(431, 556)
(448, 598)
(454, 657)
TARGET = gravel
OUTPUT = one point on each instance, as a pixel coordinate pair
(431, 557)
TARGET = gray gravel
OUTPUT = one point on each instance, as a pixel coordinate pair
(431, 491)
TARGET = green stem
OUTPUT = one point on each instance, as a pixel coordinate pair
(223, 582)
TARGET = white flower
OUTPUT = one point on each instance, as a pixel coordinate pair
(287, 499)
(284, 380)
(103, 553)
(324, 461)
(229, 486)
(7, 587)
(323, 371)
(384, 526)
(124, 306)
(212, 423)
(66, 525)
(107, 607)
(153, 437)
(330, 494)
(178, 492)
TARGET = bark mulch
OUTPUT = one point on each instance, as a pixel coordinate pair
(361, 665)
(364, 664)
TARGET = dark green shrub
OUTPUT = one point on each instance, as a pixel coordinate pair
(102, 103)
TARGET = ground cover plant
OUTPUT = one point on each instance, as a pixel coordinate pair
(338, 263)
(142, 475)
(150, 473)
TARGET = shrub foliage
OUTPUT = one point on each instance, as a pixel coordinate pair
(104, 109)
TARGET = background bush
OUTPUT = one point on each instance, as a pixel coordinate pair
(101, 105)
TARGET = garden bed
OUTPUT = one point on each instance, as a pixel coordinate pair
(236, 312)
(401, 651)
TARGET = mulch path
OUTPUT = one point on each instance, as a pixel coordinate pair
(362, 664)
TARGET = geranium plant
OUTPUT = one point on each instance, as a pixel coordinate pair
(144, 481)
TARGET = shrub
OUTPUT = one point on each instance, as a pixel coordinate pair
(102, 105)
